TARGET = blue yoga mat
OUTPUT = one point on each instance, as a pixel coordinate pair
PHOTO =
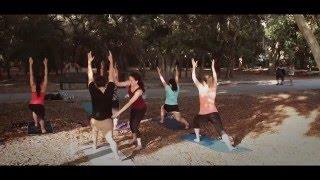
(36, 130)
(170, 123)
(87, 106)
(214, 144)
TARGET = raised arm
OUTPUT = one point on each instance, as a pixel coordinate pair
(111, 73)
(131, 101)
(116, 79)
(32, 83)
(214, 74)
(194, 78)
(45, 80)
(177, 75)
(90, 73)
(161, 77)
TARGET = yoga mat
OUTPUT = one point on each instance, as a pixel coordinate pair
(169, 122)
(36, 130)
(86, 105)
(214, 144)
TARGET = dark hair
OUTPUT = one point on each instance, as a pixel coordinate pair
(173, 84)
(100, 81)
(138, 78)
(38, 81)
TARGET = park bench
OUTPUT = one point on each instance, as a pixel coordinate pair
(73, 78)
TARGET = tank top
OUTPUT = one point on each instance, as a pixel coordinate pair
(171, 96)
(207, 99)
(37, 99)
(139, 103)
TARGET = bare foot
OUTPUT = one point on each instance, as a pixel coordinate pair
(161, 121)
(187, 126)
(94, 146)
(43, 131)
(231, 140)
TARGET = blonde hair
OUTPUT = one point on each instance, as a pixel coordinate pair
(208, 79)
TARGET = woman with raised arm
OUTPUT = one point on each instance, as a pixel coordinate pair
(38, 87)
(171, 103)
(208, 110)
(115, 96)
(101, 97)
(138, 106)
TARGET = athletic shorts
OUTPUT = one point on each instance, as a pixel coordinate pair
(38, 109)
(170, 108)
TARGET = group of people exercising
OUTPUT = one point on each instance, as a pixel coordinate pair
(105, 102)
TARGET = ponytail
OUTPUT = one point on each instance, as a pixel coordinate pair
(173, 84)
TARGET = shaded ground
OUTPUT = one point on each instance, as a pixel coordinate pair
(63, 116)
(241, 114)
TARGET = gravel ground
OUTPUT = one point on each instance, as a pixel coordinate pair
(286, 144)
(50, 149)
(279, 129)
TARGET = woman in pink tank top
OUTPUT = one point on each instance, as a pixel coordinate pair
(38, 91)
(208, 110)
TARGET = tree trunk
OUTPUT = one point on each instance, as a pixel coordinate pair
(274, 58)
(7, 66)
(310, 38)
(8, 70)
(179, 68)
(186, 70)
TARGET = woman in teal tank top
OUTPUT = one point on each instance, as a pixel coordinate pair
(171, 103)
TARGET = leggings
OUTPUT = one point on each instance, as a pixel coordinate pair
(136, 115)
(280, 77)
(214, 118)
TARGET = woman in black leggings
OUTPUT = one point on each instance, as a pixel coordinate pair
(138, 106)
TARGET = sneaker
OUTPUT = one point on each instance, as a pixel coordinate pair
(196, 140)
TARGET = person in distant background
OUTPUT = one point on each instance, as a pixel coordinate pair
(291, 73)
(71, 67)
(280, 72)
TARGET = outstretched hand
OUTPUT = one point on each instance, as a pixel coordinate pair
(45, 61)
(90, 57)
(194, 63)
(212, 63)
(158, 70)
(30, 60)
(115, 115)
(110, 56)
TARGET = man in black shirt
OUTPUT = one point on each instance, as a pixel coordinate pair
(280, 73)
(101, 97)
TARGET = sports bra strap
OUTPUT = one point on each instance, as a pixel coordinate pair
(136, 90)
